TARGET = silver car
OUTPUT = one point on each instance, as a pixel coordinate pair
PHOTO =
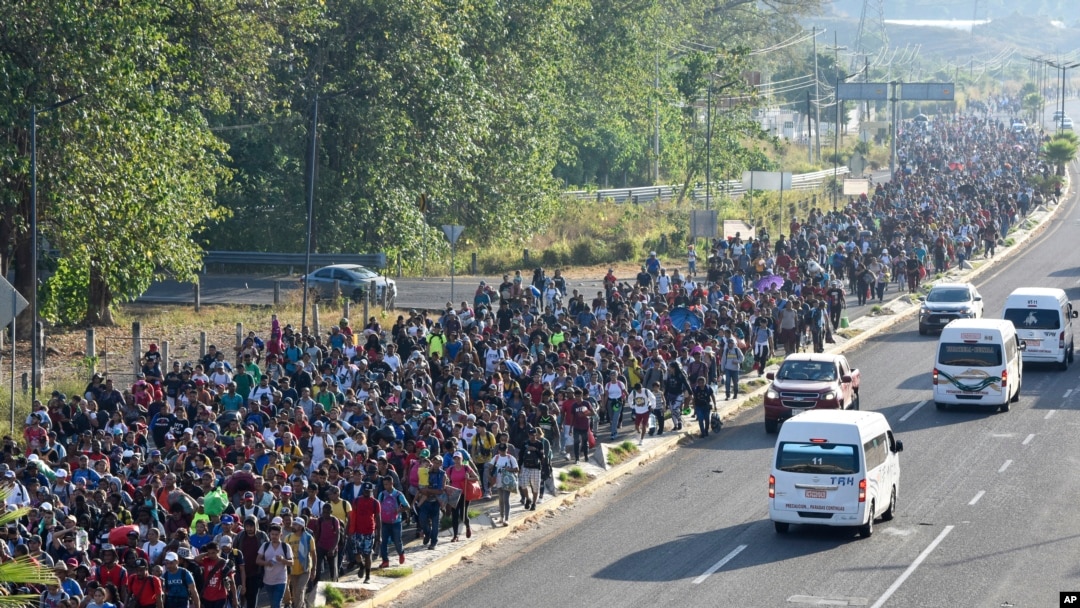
(355, 280)
(946, 302)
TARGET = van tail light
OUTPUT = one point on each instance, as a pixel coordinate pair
(935, 376)
(1061, 340)
(862, 490)
(1004, 379)
(772, 486)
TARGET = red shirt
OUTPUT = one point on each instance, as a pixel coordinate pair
(115, 575)
(213, 579)
(145, 589)
(366, 513)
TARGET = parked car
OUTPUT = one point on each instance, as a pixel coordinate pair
(355, 280)
(1067, 123)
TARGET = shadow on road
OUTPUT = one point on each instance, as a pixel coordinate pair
(701, 549)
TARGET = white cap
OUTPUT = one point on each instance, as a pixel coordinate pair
(169, 437)
(182, 448)
(277, 521)
(298, 521)
(188, 431)
(33, 458)
(171, 557)
(61, 473)
(46, 506)
(128, 454)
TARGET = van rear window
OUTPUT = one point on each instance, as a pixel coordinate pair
(979, 355)
(831, 458)
(1034, 318)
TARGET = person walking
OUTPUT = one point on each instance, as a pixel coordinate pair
(762, 339)
(614, 397)
(643, 401)
(581, 420)
(364, 526)
(532, 460)
(393, 505)
(504, 479)
(302, 544)
(459, 475)
(703, 405)
(731, 362)
(675, 387)
(276, 558)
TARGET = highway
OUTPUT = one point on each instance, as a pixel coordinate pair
(987, 511)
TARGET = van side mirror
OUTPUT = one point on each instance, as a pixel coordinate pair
(978, 298)
(1074, 314)
(922, 298)
(1023, 345)
(770, 376)
(846, 379)
(899, 446)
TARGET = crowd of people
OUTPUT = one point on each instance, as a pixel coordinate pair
(299, 457)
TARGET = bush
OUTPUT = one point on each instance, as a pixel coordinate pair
(589, 252)
(625, 250)
(556, 255)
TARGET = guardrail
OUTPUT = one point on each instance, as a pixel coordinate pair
(259, 258)
(666, 194)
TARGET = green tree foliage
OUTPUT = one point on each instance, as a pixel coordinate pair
(1060, 151)
(128, 175)
(195, 125)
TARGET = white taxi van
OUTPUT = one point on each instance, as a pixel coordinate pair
(834, 468)
(1043, 318)
(978, 364)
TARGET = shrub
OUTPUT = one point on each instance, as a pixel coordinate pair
(589, 252)
(626, 249)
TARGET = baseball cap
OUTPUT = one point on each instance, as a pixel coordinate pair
(425, 454)
(248, 495)
(277, 521)
(140, 563)
(380, 454)
(299, 521)
(60, 473)
(227, 519)
(286, 489)
(171, 557)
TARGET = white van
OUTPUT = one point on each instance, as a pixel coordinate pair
(834, 468)
(1043, 320)
(978, 363)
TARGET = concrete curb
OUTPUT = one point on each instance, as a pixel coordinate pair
(668, 445)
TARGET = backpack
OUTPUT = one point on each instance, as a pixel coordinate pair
(390, 506)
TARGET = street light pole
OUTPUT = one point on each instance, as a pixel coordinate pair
(708, 145)
(310, 206)
(1062, 67)
(36, 336)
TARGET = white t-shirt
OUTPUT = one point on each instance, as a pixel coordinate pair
(642, 401)
(275, 572)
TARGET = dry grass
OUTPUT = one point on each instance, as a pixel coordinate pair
(67, 365)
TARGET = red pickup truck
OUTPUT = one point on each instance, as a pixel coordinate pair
(810, 381)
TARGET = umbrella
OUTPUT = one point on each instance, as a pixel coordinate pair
(681, 316)
(772, 281)
(513, 367)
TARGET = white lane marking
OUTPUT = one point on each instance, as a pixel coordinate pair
(1067, 393)
(977, 497)
(1027, 439)
(1004, 466)
(1049, 414)
(720, 564)
(913, 410)
(911, 569)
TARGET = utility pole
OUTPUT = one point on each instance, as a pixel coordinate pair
(817, 102)
(656, 110)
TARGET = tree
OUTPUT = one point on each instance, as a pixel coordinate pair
(1032, 103)
(1060, 151)
(128, 176)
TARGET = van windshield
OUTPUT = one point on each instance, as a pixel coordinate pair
(830, 458)
(1034, 318)
(979, 355)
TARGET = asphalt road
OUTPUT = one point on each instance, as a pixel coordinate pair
(986, 514)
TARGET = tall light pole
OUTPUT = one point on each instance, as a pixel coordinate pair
(708, 144)
(839, 105)
(1063, 67)
(310, 206)
(35, 339)
(311, 192)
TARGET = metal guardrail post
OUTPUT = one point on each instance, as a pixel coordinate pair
(197, 296)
